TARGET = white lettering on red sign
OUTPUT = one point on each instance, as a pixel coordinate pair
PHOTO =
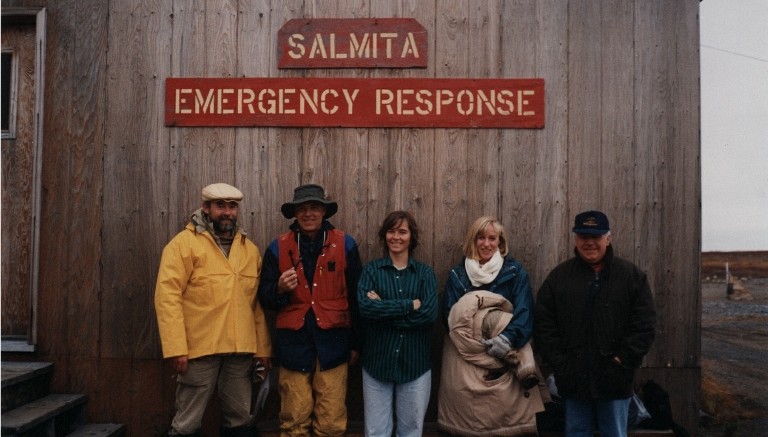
(365, 46)
(330, 101)
(265, 101)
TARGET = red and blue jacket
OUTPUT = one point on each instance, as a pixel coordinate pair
(318, 320)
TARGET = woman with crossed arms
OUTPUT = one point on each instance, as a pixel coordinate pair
(398, 306)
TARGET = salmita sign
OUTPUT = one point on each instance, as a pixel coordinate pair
(355, 102)
(352, 43)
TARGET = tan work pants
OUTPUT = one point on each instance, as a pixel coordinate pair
(315, 400)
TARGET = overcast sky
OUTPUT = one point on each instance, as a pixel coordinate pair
(734, 124)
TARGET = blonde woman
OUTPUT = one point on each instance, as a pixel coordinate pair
(488, 309)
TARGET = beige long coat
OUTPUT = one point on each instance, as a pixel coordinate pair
(469, 403)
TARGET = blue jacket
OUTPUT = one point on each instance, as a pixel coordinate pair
(512, 282)
(299, 349)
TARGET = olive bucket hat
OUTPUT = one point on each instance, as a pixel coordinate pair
(309, 193)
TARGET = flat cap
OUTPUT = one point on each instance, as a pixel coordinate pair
(221, 191)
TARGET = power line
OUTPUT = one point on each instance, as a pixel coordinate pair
(734, 53)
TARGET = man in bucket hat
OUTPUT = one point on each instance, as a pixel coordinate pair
(310, 279)
(212, 257)
(594, 323)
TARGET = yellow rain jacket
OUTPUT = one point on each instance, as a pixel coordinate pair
(205, 302)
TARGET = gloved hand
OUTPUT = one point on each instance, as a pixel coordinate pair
(498, 346)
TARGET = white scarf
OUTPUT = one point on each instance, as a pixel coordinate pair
(486, 273)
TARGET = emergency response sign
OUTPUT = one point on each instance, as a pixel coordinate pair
(355, 102)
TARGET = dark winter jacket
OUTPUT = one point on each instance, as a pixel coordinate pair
(584, 319)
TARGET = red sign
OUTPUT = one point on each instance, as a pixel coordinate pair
(352, 42)
(355, 102)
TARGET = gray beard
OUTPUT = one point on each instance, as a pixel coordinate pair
(221, 227)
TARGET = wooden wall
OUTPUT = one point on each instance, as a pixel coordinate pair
(17, 197)
(621, 135)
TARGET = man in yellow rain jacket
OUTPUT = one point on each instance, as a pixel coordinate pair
(211, 325)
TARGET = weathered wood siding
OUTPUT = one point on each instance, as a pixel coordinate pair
(621, 135)
(18, 192)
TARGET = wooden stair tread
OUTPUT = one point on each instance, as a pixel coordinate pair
(99, 430)
(17, 372)
(36, 412)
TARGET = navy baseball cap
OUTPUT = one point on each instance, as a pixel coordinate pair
(591, 222)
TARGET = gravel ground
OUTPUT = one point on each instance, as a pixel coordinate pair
(734, 352)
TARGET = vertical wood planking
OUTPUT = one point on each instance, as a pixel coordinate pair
(152, 410)
(156, 49)
(519, 146)
(420, 150)
(71, 188)
(18, 160)
(286, 146)
(146, 405)
(551, 221)
(320, 149)
(255, 54)
(617, 163)
(341, 155)
(681, 143)
(135, 94)
(385, 161)
(217, 151)
(54, 267)
(652, 132)
(686, 258)
(452, 47)
(83, 253)
(188, 59)
(584, 129)
(102, 402)
(482, 159)
(384, 174)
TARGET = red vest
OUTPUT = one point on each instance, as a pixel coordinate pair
(328, 298)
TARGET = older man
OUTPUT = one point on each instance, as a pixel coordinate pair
(310, 279)
(594, 323)
(211, 325)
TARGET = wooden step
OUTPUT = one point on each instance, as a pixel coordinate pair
(23, 382)
(15, 372)
(99, 430)
(55, 414)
